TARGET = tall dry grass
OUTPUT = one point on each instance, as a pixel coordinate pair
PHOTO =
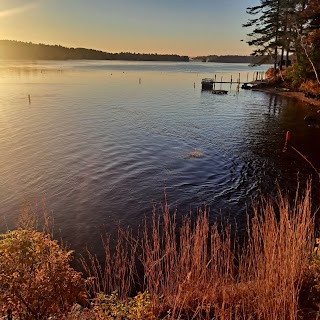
(194, 270)
(118, 271)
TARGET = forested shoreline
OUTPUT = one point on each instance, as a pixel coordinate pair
(252, 60)
(288, 30)
(17, 50)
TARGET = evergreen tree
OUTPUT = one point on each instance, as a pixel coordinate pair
(309, 39)
(266, 28)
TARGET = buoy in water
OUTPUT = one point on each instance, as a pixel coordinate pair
(288, 137)
(287, 141)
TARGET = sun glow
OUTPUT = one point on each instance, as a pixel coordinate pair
(127, 26)
(18, 9)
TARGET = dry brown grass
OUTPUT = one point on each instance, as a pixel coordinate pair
(118, 272)
(195, 270)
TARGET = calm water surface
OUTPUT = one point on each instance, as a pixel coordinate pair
(103, 140)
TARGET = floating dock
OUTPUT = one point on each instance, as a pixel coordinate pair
(219, 91)
(207, 84)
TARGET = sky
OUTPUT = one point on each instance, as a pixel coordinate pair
(184, 27)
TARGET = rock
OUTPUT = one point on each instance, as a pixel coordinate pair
(194, 154)
(76, 309)
(310, 119)
(309, 95)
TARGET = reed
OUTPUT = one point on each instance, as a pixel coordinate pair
(118, 272)
(197, 270)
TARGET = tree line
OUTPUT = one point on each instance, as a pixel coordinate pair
(10, 49)
(234, 59)
(284, 27)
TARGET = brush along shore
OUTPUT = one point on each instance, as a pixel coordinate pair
(191, 269)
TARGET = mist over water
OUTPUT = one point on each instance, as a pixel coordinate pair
(103, 141)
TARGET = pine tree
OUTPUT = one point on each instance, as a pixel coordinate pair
(266, 28)
(309, 36)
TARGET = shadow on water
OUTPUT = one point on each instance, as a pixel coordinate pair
(286, 169)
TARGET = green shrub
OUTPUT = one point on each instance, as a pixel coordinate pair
(310, 292)
(109, 307)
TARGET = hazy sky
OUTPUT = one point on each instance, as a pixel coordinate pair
(185, 27)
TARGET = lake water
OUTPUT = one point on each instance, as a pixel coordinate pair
(103, 141)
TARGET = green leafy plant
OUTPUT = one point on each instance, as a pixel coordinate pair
(109, 307)
(310, 292)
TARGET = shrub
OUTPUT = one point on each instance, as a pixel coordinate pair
(310, 291)
(108, 307)
(270, 74)
(310, 86)
(36, 279)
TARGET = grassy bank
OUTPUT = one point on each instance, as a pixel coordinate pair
(197, 270)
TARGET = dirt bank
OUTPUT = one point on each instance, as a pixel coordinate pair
(293, 94)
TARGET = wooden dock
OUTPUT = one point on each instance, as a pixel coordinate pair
(258, 79)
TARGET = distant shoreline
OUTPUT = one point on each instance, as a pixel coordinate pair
(18, 50)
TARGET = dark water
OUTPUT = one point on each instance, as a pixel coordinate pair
(103, 140)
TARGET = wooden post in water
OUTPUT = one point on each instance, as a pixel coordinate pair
(238, 84)
(221, 84)
(29, 98)
(214, 84)
(230, 82)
